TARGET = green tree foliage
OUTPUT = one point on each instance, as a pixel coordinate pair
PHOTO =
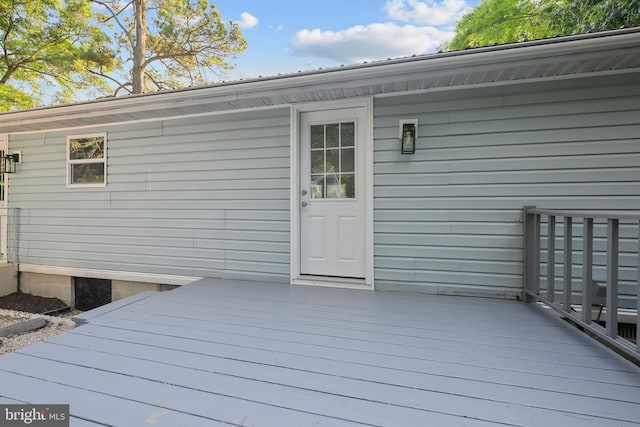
(505, 21)
(498, 22)
(48, 44)
(582, 16)
(165, 44)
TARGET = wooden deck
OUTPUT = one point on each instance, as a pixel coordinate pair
(255, 354)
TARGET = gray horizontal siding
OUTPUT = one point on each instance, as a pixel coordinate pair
(448, 219)
(202, 196)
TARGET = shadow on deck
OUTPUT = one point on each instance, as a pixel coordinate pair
(256, 354)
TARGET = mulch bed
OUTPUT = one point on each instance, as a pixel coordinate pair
(20, 301)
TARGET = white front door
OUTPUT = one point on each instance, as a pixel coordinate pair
(332, 202)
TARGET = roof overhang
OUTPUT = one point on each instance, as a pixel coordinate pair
(604, 53)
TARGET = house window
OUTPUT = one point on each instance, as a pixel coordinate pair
(87, 160)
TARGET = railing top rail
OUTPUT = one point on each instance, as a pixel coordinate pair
(631, 215)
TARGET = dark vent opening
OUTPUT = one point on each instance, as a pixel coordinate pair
(91, 293)
(625, 330)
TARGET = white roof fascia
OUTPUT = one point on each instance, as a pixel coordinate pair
(458, 62)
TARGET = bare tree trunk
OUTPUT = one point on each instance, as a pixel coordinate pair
(139, 47)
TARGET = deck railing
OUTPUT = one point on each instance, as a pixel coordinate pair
(572, 294)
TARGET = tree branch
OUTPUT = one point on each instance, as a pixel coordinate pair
(119, 84)
(116, 18)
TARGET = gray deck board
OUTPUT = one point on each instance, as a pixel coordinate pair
(245, 353)
(344, 336)
(381, 356)
(95, 407)
(459, 381)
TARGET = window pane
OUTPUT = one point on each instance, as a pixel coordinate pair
(347, 133)
(317, 161)
(317, 136)
(347, 160)
(334, 189)
(333, 161)
(87, 173)
(333, 135)
(348, 186)
(317, 186)
(86, 148)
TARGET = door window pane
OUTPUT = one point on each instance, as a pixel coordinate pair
(347, 164)
(317, 136)
(333, 161)
(347, 134)
(317, 161)
(334, 189)
(348, 186)
(317, 186)
(333, 135)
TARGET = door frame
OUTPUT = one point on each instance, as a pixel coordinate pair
(295, 152)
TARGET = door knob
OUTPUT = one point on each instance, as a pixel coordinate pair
(304, 192)
(304, 204)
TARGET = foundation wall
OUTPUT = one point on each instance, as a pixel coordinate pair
(8, 282)
(52, 285)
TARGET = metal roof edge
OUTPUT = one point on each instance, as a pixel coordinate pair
(511, 52)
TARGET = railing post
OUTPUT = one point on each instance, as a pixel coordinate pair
(587, 269)
(612, 277)
(531, 254)
(568, 261)
(551, 258)
(16, 245)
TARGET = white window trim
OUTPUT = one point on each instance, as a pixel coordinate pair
(84, 161)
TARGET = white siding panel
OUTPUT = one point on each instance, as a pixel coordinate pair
(199, 196)
(448, 219)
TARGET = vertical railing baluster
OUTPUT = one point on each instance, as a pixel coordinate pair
(568, 261)
(536, 255)
(531, 254)
(551, 258)
(587, 270)
(612, 277)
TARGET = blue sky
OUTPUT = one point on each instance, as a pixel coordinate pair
(286, 36)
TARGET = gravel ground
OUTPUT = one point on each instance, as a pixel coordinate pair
(55, 325)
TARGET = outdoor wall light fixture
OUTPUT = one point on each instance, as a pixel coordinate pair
(408, 132)
(8, 162)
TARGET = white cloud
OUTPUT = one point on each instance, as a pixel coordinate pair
(247, 20)
(367, 43)
(429, 12)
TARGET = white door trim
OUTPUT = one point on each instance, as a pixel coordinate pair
(296, 110)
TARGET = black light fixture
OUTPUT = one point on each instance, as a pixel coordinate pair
(408, 130)
(8, 162)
